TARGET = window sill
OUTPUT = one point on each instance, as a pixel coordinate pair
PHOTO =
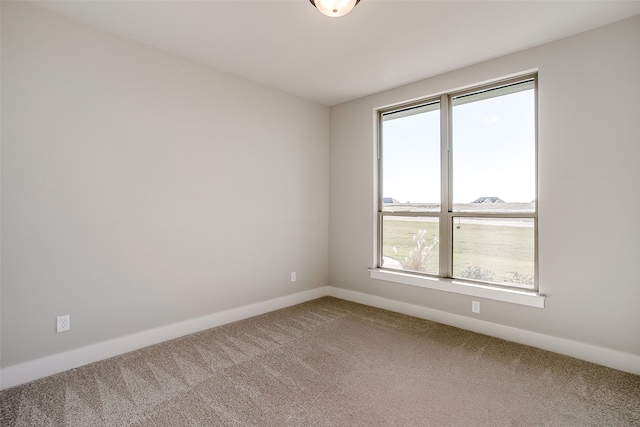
(523, 297)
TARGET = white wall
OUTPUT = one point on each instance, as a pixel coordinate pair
(140, 189)
(589, 190)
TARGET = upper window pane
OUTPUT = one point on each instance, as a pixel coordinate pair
(411, 159)
(493, 143)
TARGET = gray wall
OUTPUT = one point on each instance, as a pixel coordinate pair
(140, 189)
(589, 189)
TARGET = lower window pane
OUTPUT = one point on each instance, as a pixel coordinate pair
(410, 243)
(500, 250)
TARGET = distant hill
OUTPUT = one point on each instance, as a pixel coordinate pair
(488, 200)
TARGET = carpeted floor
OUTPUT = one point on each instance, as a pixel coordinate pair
(330, 362)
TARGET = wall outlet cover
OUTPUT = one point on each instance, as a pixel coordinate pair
(62, 323)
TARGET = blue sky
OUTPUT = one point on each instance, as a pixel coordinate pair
(493, 143)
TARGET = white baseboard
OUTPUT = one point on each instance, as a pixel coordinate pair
(602, 356)
(29, 371)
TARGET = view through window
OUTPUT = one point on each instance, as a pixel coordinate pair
(458, 185)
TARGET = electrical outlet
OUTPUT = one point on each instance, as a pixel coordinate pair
(293, 276)
(475, 306)
(62, 323)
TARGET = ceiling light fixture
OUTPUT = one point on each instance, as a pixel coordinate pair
(334, 8)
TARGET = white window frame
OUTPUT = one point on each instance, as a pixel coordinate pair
(444, 281)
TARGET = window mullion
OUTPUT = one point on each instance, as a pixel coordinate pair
(445, 239)
(380, 171)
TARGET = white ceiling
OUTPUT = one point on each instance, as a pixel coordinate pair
(381, 44)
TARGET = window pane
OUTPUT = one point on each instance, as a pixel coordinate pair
(411, 159)
(498, 250)
(493, 144)
(410, 243)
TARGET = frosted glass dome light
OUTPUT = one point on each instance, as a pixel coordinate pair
(334, 8)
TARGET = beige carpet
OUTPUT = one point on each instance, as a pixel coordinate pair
(330, 363)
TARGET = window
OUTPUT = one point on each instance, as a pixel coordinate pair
(457, 186)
